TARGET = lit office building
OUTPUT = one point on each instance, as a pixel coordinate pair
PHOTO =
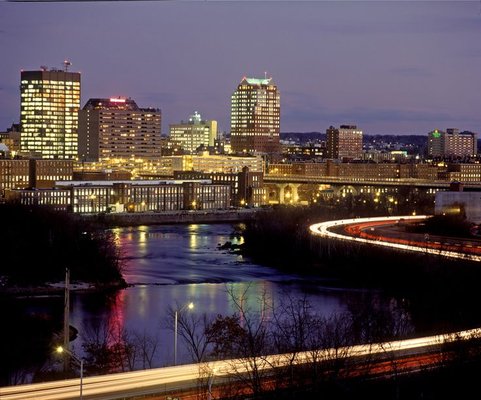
(50, 101)
(451, 143)
(255, 117)
(194, 134)
(344, 143)
(118, 128)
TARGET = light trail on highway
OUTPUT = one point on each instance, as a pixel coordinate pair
(323, 229)
(185, 377)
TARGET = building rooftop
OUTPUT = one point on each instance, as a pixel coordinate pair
(256, 81)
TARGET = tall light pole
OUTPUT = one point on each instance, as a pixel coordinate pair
(66, 317)
(190, 306)
(61, 350)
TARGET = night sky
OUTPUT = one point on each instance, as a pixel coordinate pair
(391, 67)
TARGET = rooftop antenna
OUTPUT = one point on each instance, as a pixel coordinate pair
(66, 64)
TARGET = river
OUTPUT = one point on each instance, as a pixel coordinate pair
(169, 266)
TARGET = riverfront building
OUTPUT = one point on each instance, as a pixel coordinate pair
(255, 117)
(118, 128)
(344, 143)
(194, 134)
(50, 101)
(247, 188)
(131, 196)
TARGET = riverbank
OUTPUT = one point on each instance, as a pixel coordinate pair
(56, 289)
(173, 217)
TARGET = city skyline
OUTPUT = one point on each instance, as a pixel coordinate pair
(388, 67)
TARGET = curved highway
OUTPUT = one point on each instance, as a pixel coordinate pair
(355, 230)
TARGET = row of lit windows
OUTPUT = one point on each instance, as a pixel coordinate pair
(51, 81)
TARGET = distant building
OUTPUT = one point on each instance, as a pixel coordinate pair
(14, 174)
(44, 173)
(194, 134)
(102, 175)
(452, 143)
(344, 143)
(255, 117)
(33, 173)
(207, 163)
(50, 101)
(118, 128)
(462, 172)
(11, 139)
(247, 188)
(58, 199)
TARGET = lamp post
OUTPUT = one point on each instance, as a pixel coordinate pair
(190, 306)
(61, 350)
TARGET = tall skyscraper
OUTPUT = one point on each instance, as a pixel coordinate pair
(194, 133)
(50, 101)
(344, 143)
(255, 116)
(118, 128)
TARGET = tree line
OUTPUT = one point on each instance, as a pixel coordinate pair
(39, 243)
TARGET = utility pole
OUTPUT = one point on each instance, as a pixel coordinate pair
(66, 320)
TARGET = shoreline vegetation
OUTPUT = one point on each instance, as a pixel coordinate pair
(440, 293)
(38, 244)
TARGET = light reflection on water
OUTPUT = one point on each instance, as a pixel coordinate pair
(170, 266)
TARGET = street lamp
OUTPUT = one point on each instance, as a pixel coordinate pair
(61, 350)
(190, 306)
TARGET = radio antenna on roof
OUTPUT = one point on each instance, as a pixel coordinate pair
(66, 64)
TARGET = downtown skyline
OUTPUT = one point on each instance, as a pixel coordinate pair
(390, 67)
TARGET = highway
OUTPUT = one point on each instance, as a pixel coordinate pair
(186, 377)
(355, 230)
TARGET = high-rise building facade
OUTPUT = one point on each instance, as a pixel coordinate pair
(118, 128)
(452, 143)
(436, 143)
(255, 116)
(50, 101)
(344, 143)
(194, 134)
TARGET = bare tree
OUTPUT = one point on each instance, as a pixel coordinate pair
(113, 349)
(146, 346)
(194, 331)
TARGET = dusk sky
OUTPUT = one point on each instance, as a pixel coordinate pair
(391, 67)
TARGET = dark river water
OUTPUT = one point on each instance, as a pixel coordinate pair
(168, 267)
(171, 266)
